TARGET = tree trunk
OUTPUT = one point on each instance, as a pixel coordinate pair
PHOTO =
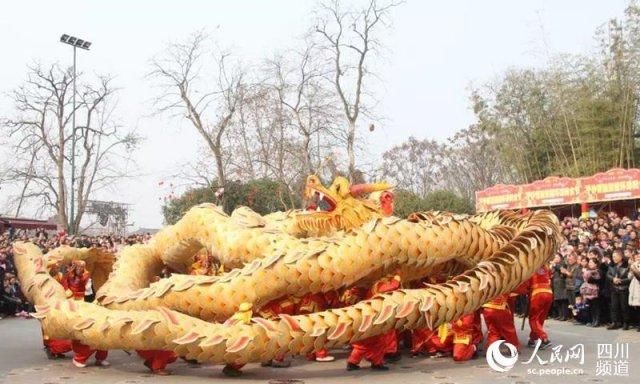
(217, 153)
(351, 136)
(26, 184)
(307, 154)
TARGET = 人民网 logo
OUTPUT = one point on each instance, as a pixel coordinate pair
(499, 362)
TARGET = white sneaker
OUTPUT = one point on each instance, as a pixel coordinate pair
(102, 363)
(325, 359)
(78, 364)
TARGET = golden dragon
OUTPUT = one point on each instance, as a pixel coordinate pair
(347, 237)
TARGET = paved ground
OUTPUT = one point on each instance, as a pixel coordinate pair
(22, 361)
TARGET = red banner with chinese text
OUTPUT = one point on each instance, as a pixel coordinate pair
(615, 184)
(551, 191)
(499, 197)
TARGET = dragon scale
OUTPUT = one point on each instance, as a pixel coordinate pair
(501, 250)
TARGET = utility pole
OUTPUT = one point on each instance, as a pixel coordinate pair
(75, 43)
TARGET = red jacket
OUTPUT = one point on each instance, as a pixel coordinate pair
(499, 302)
(76, 284)
(312, 302)
(276, 307)
(382, 286)
(467, 329)
(540, 281)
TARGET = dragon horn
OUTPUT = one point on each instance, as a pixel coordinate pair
(360, 189)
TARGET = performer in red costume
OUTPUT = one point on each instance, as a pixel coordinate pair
(431, 341)
(55, 348)
(391, 353)
(244, 314)
(75, 281)
(421, 341)
(499, 320)
(437, 342)
(387, 206)
(374, 348)
(271, 310)
(467, 332)
(540, 300)
(350, 296)
(82, 353)
(157, 360)
(521, 289)
(204, 265)
(310, 303)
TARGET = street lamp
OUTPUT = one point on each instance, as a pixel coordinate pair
(83, 44)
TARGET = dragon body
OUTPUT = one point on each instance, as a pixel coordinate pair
(345, 238)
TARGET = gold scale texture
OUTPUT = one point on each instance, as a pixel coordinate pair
(267, 259)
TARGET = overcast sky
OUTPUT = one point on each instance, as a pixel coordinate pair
(437, 50)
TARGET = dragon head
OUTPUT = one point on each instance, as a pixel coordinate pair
(342, 206)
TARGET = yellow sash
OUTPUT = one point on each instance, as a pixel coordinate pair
(540, 290)
(443, 332)
(461, 339)
(495, 306)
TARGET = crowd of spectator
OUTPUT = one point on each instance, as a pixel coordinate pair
(12, 301)
(594, 278)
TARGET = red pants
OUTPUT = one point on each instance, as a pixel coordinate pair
(371, 349)
(391, 342)
(156, 359)
(539, 307)
(463, 352)
(82, 352)
(500, 326)
(58, 346)
(437, 345)
(426, 340)
(421, 340)
(317, 354)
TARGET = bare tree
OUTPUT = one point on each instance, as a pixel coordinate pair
(266, 143)
(351, 37)
(208, 98)
(284, 124)
(40, 134)
(198, 173)
(471, 162)
(415, 165)
(468, 162)
(30, 170)
(251, 140)
(304, 96)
